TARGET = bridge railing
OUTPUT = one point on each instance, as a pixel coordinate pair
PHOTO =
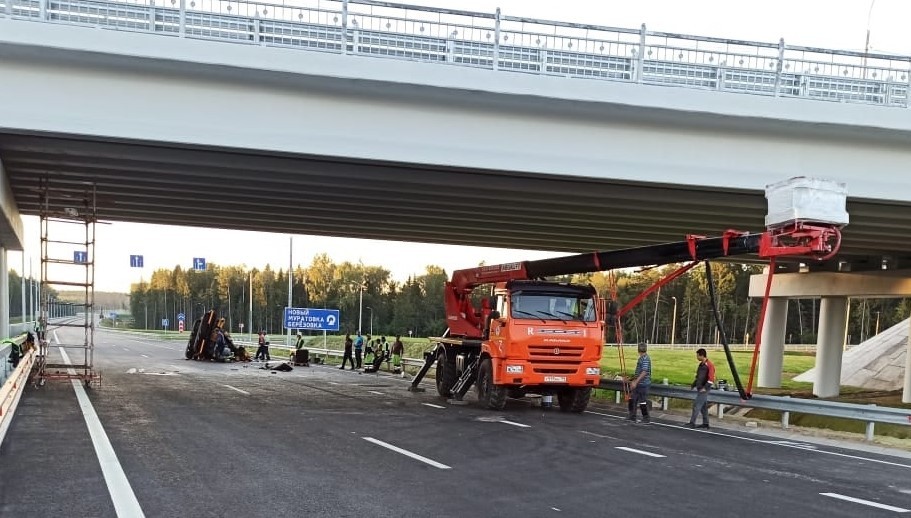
(499, 42)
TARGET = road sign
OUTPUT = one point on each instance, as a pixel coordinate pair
(199, 263)
(181, 317)
(80, 257)
(165, 322)
(180, 326)
(312, 319)
(136, 261)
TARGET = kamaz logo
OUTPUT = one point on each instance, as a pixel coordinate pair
(556, 351)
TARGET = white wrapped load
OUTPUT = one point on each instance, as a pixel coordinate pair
(803, 199)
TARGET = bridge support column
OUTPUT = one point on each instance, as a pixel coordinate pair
(830, 346)
(906, 394)
(4, 294)
(771, 357)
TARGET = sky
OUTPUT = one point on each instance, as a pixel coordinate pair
(838, 24)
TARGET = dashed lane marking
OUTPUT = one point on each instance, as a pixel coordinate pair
(144, 355)
(867, 502)
(520, 425)
(244, 392)
(432, 405)
(763, 441)
(375, 392)
(407, 453)
(641, 452)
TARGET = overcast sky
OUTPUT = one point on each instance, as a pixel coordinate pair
(819, 23)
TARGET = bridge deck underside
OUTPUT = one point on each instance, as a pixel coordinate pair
(247, 190)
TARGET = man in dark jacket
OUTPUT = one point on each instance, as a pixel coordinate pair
(702, 384)
(347, 355)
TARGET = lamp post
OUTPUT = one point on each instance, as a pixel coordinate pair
(360, 311)
(371, 319)
(674, 322)
(867, 43)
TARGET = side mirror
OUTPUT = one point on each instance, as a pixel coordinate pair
(494, 315)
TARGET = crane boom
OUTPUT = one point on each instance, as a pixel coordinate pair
(815, 240)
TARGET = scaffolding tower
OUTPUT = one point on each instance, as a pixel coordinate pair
(67, 262)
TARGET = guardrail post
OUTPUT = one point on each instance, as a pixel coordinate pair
(617, 397)
(869, 434)
(779, 67)
(785, 418)
(640, 62)
(664, 400)
(182, 28)
(720, 411)
(496, 42)
(345, 26)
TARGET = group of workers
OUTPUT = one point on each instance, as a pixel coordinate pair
(642, 379)
(374, 352)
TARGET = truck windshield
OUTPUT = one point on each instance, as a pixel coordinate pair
(558, 306)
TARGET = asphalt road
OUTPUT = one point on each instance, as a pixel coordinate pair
(206, 439)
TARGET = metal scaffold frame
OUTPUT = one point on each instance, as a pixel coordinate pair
(59, 211)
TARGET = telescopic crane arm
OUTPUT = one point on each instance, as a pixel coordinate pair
(817, 241)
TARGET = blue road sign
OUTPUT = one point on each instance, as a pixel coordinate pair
(181, 317)
(165, 322)
(312, 319)
(136, 261)
(199, 263)
(80, 257)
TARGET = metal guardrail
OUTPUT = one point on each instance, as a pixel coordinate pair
(11, 387)
(869, 414)
(495, 41)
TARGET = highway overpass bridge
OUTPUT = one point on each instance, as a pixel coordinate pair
(475, 129)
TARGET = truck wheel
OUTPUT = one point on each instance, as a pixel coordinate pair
(489, 395)
(574, 399)
(446, 372)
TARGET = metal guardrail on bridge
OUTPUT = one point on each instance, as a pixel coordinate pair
(499, 42)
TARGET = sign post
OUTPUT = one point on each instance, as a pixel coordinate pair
(164, 323)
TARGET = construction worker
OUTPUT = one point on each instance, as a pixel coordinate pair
(398, 348)
(300, 341)
(639, 385)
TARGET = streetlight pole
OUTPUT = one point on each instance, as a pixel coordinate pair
(290, 266)
(674, 322)
(371, 319)
(867, 44)
(360, 311)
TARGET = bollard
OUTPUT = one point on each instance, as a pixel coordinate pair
(665, 402)
(785, 418)
(869, 435)
(617, 397)
(720, 411)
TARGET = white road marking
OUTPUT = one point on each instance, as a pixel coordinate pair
(407, 453)
(640, 452)
(125, 349)
(597, 434)
(244, 392)
(144, 355)
(520, 425)
(432, 405)
(125, 503)
(762, 441)
(375, 392)
(131, 370)
(160, 373)
(867, 502)
(555, 509)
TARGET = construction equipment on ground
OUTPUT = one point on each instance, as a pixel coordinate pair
(530, 335)
(209, 341)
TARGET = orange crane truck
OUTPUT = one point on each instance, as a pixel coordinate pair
(526, 334)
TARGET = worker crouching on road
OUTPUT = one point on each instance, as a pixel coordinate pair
(639, 385)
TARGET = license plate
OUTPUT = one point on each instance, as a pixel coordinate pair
(554, 379)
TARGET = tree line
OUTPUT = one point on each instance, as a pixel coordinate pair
(415, 306)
